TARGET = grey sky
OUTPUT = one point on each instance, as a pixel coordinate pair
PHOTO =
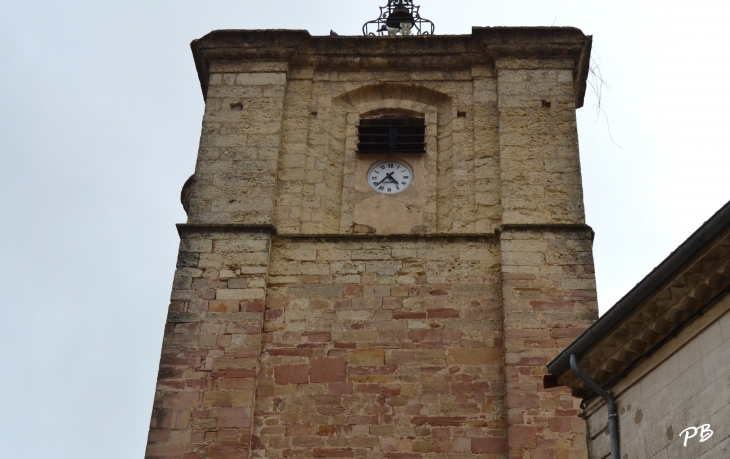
(100, 112)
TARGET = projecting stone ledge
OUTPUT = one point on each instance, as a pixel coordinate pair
(281, 50)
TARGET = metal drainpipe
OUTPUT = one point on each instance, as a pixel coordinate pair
(610, 403)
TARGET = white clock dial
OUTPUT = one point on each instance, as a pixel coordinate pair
(390, 177)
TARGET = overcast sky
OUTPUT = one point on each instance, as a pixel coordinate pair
(100, 112)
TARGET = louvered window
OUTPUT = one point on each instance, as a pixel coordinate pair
(392, 134)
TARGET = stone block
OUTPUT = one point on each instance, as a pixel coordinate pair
(488, 445)
(223, 305)
(323, 290)
(292, 374)
(461, 445)
(182, 400)
(227, 398)
(366, 357)
(474, 356)
(474, 290)
(196, 245)
(325, 370)
(234, 417)
(443, 313)
(259, 79)
(522, 437)
(226, 451)
(240, 294)
(435, 336)
(293, 429)
(333, 452)
(415, 357)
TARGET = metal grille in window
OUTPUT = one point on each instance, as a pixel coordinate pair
(392, 134)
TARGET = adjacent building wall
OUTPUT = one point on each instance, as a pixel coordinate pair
(685, 384)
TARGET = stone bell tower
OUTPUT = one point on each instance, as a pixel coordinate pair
(319, 312)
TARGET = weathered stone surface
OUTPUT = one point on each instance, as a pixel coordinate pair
(540, 269)
(292, 374)
(366, 357)
(338, 325)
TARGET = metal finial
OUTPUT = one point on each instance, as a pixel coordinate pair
(399, 17)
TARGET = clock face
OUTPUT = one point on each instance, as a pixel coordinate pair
(390, 177)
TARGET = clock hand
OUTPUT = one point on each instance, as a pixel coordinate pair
(389, 175)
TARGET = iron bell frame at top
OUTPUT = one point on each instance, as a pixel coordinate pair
(381, 24)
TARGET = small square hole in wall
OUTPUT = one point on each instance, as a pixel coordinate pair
(312, 114)
(461, 114)
(545, 104)
(238, 106)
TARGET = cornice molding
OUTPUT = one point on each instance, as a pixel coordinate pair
(484, 46)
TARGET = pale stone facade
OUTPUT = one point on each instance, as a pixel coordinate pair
(687, 384)
(663, 353)
(314, 317)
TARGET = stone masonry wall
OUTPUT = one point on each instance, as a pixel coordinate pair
(424, 344)
(378, 349)
(317, 145)
(538, 135)
(235, 176)
(205, 389)
(549, 297)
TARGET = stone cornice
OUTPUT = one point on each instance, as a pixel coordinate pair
(185, 228)
(484, 46)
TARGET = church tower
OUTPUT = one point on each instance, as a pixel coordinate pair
(385, 246)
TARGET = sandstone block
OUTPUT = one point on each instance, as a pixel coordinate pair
(366, 357)
(333, 452)
(435, 336)
(223, 306)
(326, 369)
(227, 398)
(259, 79)
(226, 451)
(474, 356)
(438, 420)
(442, 313)
(293, 428)
(461, 445)
(303, 441)
(522, 437)
(578, 284)
(196, 245)
(324, 290)
(407, 314)
(234, 417)
(170, 419)
(292, 374)
(415, 357)
(488, 445)
(240, 294)
(181, 400)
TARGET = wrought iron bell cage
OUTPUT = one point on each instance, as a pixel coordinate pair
(403, 11)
